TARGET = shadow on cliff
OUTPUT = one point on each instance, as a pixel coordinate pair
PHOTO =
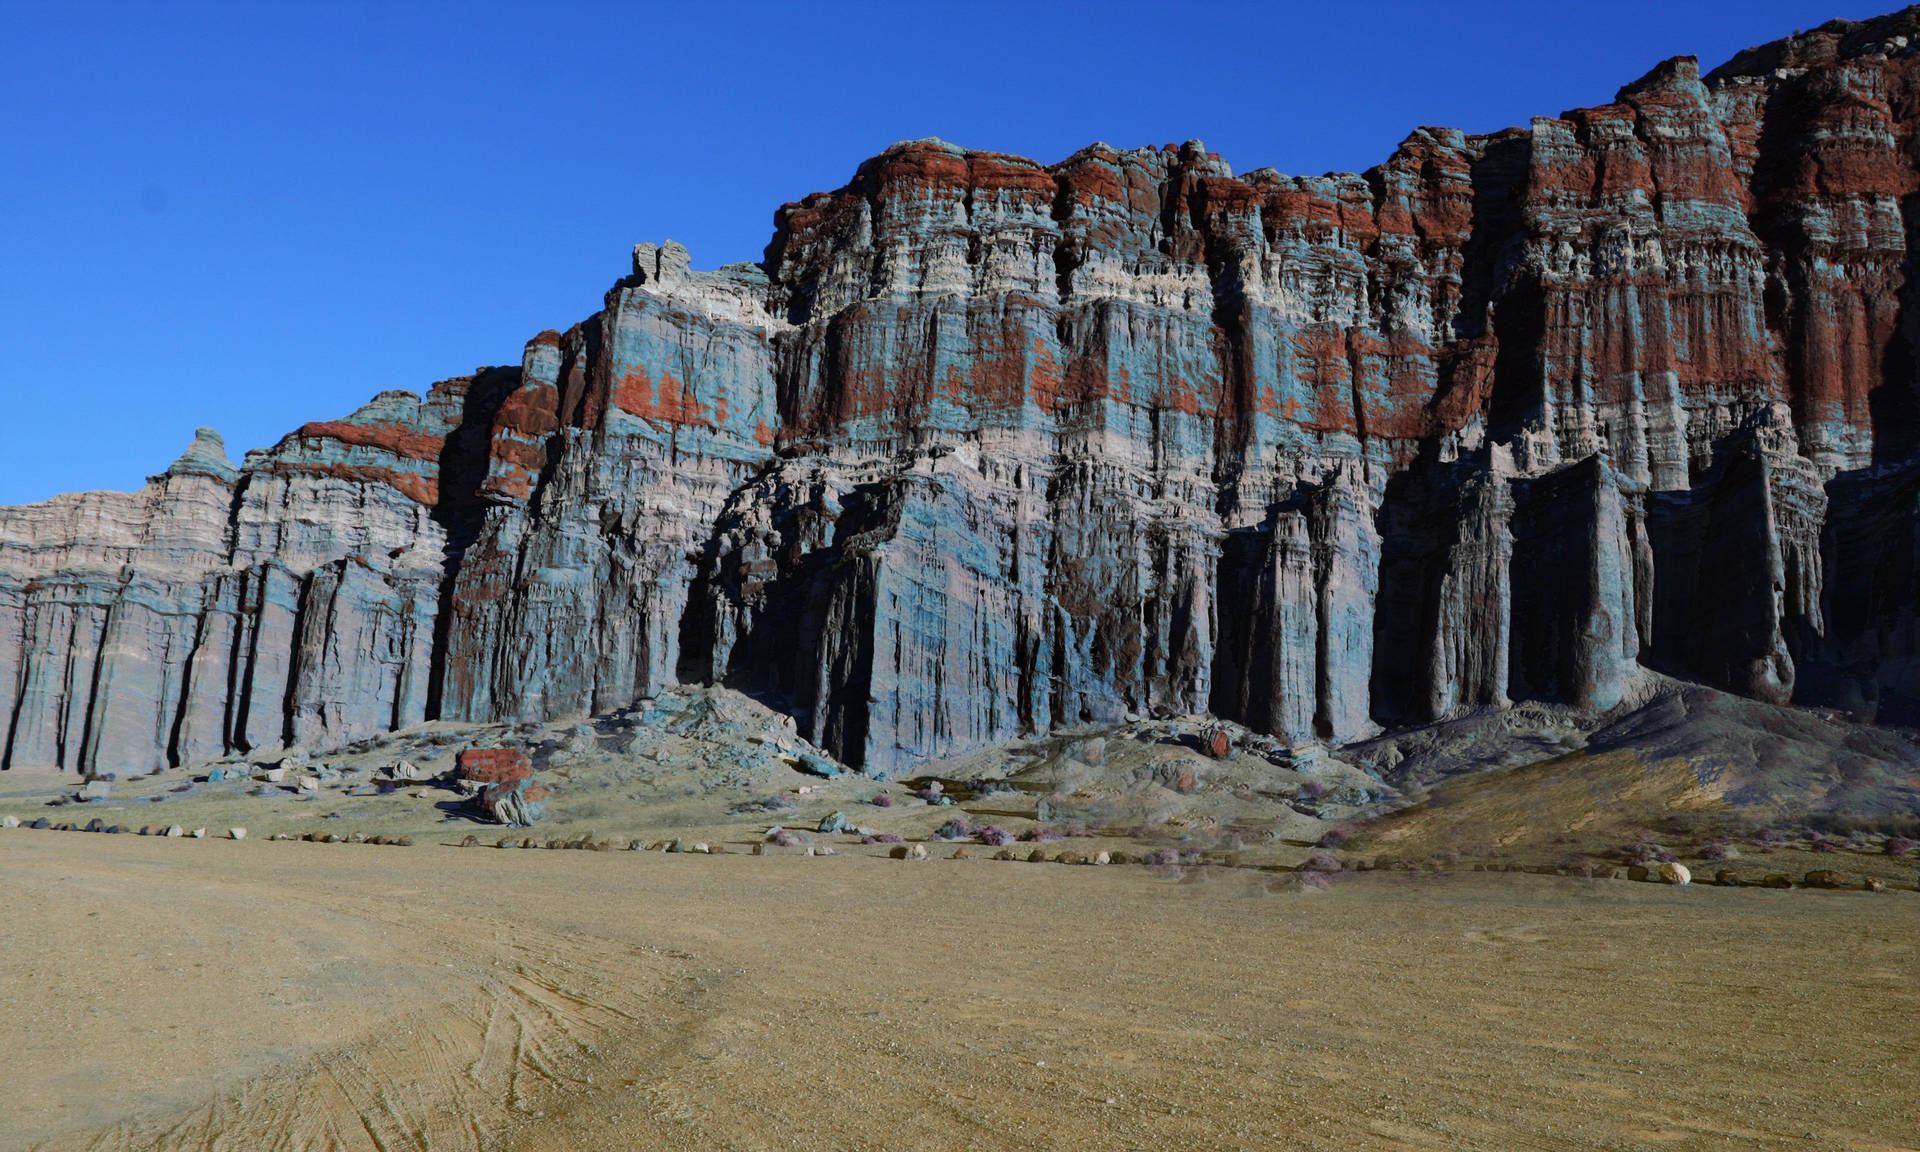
(460, 512)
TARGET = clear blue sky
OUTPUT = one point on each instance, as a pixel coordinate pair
(254, 215)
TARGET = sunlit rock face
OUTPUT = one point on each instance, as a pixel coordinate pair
(985, 447)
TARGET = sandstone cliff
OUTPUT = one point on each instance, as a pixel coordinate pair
(984, 447)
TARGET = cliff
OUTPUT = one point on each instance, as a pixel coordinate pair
(984, 447)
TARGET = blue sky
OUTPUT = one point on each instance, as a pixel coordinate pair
(254, 215)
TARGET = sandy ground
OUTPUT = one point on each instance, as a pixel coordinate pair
(221, 995)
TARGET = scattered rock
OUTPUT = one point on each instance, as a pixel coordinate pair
(961, 853)
(908, 852)
(309, 783)
(1036, 857)
(9, 821)
(1777, 880)
(1092, 751)
(1102, 858)
(275, 775)
(1071, 858)
(174, 832)
(236, 833)
(406, 770)
(1639, 872)
(1727, 878)
(834, 823)
(470, 841)
(516, 803)
(1873, 884)
(1216, 743)
(1674, 872)
(1825, 878)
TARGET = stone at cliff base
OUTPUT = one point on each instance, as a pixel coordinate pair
(1672, 872)
(516, 802)
(492, 765)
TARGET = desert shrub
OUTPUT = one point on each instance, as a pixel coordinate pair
(1333, 838)
(994, 836)
(1717, 851)
(882, 801)
(1161, 856)
(1320, 862)
(1313, 790)
(954, 830)
(788, 838)
(883, 838)
(1040, 833)
(1900, 846)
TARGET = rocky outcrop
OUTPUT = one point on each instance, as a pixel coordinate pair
(985, 447)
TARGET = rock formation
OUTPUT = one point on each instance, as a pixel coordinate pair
(985, 447)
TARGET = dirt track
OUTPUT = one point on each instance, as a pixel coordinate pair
(218, 995)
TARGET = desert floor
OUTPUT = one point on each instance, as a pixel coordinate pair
(257, 995)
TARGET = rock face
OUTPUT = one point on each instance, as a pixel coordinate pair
(985, 447)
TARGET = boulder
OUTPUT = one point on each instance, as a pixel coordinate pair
(492, 765)
(1727, 878)
(1674, 872)
(9, 821)
(1825, 878)
(516, 803)
(1777, 880)
(406, 770)
(174, 832)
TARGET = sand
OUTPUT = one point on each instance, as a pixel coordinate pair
(220, 995)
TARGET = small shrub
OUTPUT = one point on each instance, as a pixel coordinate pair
(882, 801)
(1320, 862)
(1900, 846)
(883, 838)
(994, 836)
(1333, 838)
(1161, 856)
(1313, 790)
(1040, 833)
(1718, 851)
(954, 830)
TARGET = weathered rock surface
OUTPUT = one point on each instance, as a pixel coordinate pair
(985, 447)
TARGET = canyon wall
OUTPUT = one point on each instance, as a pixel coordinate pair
(985, 447)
